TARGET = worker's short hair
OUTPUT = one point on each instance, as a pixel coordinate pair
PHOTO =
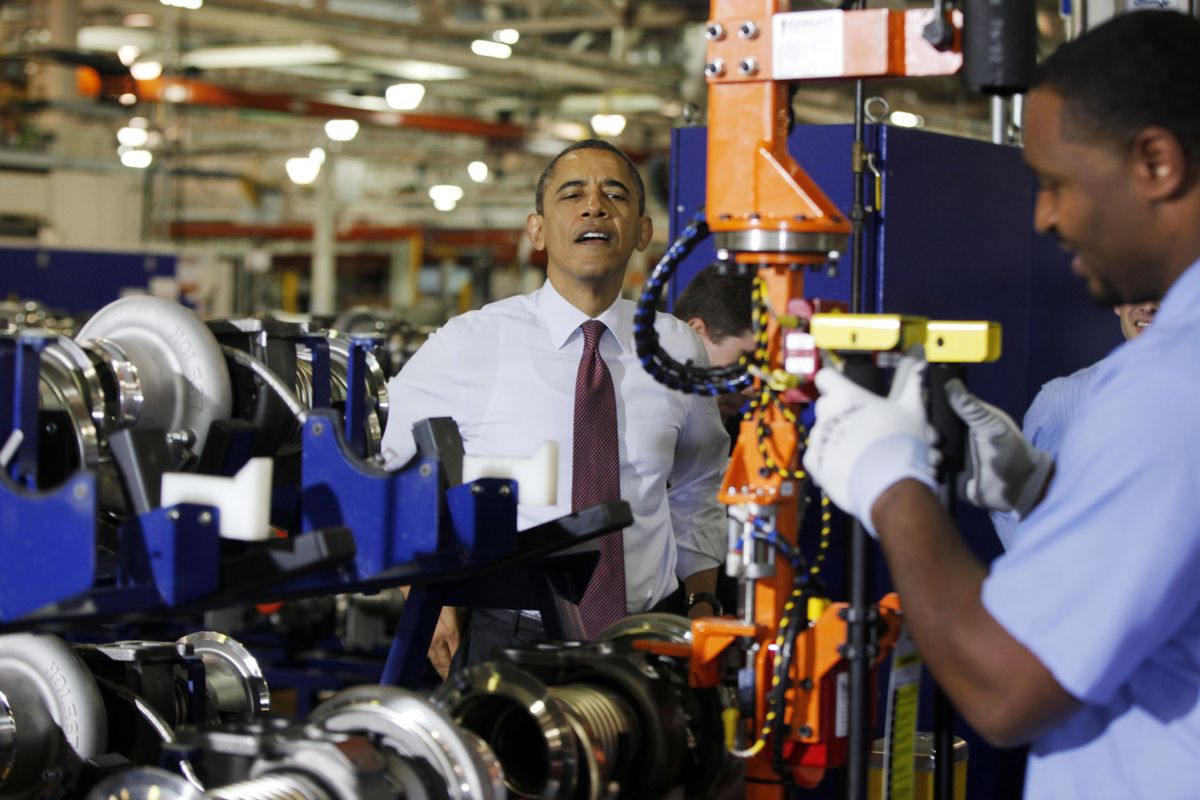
(1140, 69)
(724, 302)
(539, 204)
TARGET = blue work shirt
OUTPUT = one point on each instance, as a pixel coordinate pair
(1053, 409)
(1103, 585)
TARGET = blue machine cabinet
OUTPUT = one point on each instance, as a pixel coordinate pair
(953, 239)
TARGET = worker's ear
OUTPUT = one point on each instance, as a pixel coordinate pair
(645, 232)
(533, 229)
(699, 327)
(1160, 166)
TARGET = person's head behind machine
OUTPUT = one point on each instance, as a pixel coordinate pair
(1112, 128)
(589, 218)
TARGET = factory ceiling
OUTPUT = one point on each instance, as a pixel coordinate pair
(435, 84)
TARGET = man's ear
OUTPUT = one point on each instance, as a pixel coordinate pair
(1160, 167)
(533, 229)
(645, 233)
(699, 326)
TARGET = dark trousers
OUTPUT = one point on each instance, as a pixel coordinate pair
(491, 629)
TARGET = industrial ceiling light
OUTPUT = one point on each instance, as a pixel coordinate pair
(425, 71)
(404, 96)
(317, 154)
(145, 70)
(133, 137)
(262, 56)
(478, 171)
(341, 130)
(138, 21)
(446, 192)
(302, 171)
(137, 159)
(905, 119)
(176, 93)
(608, 124)
(445, 205)
(190, 5)
(128, 53)
(507, 36)
(482, 47)
(127, 99)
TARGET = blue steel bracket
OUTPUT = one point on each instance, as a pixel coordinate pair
(483, 515)
(396, 517)
(47, 544)
(175, 550)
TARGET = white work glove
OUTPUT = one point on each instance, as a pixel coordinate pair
(862, 443)
(1003, 471)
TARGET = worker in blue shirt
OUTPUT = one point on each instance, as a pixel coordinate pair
(1059, 402)
(1084, 639)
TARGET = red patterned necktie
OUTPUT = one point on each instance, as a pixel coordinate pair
(596, 478)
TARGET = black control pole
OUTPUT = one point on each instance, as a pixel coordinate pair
(952, 433)
(859, 623)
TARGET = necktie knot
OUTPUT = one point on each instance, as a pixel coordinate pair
(593, 329)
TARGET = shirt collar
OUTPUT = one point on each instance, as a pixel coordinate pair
(1183, 298)
(563, 319)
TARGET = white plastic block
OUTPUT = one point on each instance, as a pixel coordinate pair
(243, 501)
(536, 476)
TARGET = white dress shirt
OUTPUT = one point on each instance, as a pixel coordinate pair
(506, 375)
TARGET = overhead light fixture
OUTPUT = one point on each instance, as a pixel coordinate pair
(138, 21)
(127, 99)
(260, 56)
(482, 47)
(608, 124)
(507, 36)
(904, 119)
(128, 53)
(139, 122)
(317, 154)
(445, 205)
(302, 171)
(404, 96)
(137, 159)
(133, 137)
(478, 171)
(145, 70)
(176, 93)
(563, 129)
(190, 5)
(341, 130)
(447, 192)
(424, 70)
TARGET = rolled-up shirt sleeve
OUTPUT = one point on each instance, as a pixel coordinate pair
(422, 389)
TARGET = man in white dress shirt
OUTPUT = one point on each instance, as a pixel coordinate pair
(506, 374)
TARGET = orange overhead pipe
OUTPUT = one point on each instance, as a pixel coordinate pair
(189, 91)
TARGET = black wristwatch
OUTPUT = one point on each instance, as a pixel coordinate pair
(695, 598)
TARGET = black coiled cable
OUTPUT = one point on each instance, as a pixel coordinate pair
(684, 377)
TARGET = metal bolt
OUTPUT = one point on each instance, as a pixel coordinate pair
(318, 429)
(748, 66)
(80, 491)
(748, 29)
(173, 514)
(806, 684)
(425, 470)
(505, 491)
(204, 518)
(804, 731)
(715, 68)
(714, 31)
(476, 488)
(52, 428)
